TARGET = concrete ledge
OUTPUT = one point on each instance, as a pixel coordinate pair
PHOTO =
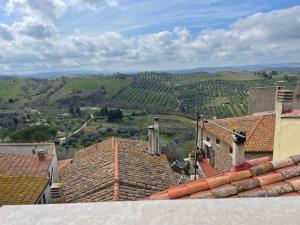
(275, 211)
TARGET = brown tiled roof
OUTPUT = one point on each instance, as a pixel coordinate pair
(270, 179)
(116, 169)
(14, 164)
(259, 131)
(16, 190)
(62, 164)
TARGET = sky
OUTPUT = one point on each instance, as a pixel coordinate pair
(128, 35)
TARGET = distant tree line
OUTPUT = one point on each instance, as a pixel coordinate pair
(111, 114)
(39, 133)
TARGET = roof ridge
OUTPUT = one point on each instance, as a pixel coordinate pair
(116, 190)
(255, 126)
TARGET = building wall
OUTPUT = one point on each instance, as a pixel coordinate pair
(53, 168)
(221, 153)
(45, 197)
(256, 155)
(287, 135)
(261, 99)
(222, 157)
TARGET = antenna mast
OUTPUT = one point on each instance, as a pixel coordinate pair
(196, 147)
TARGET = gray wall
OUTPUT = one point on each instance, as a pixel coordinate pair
(261, 99)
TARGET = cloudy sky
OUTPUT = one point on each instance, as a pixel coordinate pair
(126, 35)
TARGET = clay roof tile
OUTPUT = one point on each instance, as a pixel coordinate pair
(296, 184)
(282, 163)
(239, 175)
(270, 178)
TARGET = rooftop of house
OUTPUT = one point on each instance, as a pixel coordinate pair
(259, 131)
(14, 164)
(292, 114)
(268, 179)
(26, 148)
(259, 211)
(62, 164)
(15, 190)
(116, 169)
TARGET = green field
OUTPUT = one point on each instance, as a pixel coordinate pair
(92, 84)
(213, 94)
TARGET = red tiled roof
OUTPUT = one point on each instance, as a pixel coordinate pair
(259, 131)
(250, 163)
(207, 168)
(62, 164)
(14, 164)
(116, 169)
(270, 179)
(292, 113)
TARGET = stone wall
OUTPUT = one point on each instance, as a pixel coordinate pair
(222, 158)
(221, 153)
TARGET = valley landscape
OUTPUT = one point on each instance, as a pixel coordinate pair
(72, 106)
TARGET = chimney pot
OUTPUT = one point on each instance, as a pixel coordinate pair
(284, 100)
(150, 140)
(41, 154)
(156, 147)
(238, 156)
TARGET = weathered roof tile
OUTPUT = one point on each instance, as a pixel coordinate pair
(263, 180)
(116, 169)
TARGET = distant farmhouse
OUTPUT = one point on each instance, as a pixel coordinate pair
(266, 73)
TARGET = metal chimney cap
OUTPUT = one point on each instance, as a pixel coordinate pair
(156, 118)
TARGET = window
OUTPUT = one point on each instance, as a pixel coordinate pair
(217, 141)
(208, 138)
(230, 150)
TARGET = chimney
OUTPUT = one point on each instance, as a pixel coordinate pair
(284, 101)
(156, 148)
(238, 156)
(41, 154)
(150, 140)
(286, 127)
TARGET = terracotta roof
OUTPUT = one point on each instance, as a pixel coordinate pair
(62, 164)
(270, 179)
(259, 131)
(16, 190)
(250, 163)
(207, 168)
(116, 169)
(14, 164)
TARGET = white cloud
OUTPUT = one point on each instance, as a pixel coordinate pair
(5, 32)
(260, 38)
(94, 4)
(35, 29)
(45, 9)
